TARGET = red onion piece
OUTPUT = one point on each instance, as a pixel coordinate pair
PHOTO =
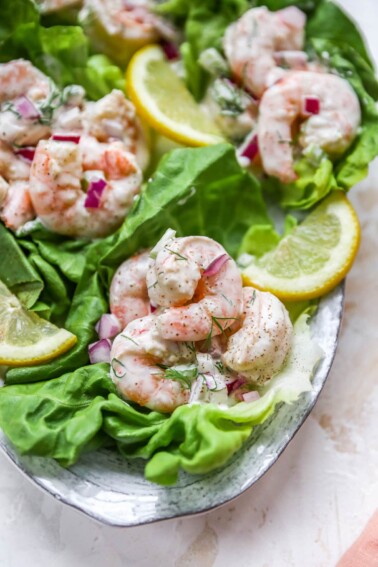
(26, 108)
(152, 308)
(99, 351)
(216, 265)
(94, 193)
(311, 105)
(170, 49)
(75, 138)
(232, 386)
(26, 153)
(251, 149)
(251, 397)
(108, 326)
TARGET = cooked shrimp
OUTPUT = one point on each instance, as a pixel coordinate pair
(137, 357)
(17, 208)
(3, 190)
(23, 91)
(58, 173)
(113, 117)
(200, 305)
(332, 129)
(15, 203)
(258, 349)
(251, 42)
(118, 27)
(128, 296)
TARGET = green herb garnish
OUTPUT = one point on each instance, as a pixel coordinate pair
(177, 254)
(119, 374)
(185, 376)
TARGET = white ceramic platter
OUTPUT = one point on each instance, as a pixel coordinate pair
(113, 490)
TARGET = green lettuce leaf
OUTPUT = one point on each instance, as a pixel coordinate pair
(62, 52)
(59, 418)
(331, 23)
(200, 191)
(77, 412)
(16, 272)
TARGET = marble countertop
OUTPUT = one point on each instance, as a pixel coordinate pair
(304, 512)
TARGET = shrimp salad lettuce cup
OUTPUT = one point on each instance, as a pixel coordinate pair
(240, 58)
(164, 355)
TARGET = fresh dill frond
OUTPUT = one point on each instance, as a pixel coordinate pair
(184, 377)
(129, 339)
(253, 298)
(180, 256)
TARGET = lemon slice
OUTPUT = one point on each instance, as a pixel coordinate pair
(162, 99)
(314, 257)
(25, 338)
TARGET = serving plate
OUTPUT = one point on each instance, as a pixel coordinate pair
(112, 490)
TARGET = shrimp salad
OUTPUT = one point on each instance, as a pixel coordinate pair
(195, 334)
(136, 244)
(292, 105)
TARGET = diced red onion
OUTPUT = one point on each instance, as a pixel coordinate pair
(152, 308)
(251, 397)
(170, 49)
(26, 108)
(94, 193)
(251, 149)
(232, 386)
(311, 105)
(75, 138)
(108, 326)
(216, 265)
(26, 153)
(99, 351)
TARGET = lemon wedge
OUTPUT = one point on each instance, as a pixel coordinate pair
(25, 338)
(162, 99)
(314, 257)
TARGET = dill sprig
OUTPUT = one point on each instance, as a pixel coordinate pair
(184, 377)
(180, 256)
(129, 339)
(117, 365)
(253, 298)
(215, 321)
